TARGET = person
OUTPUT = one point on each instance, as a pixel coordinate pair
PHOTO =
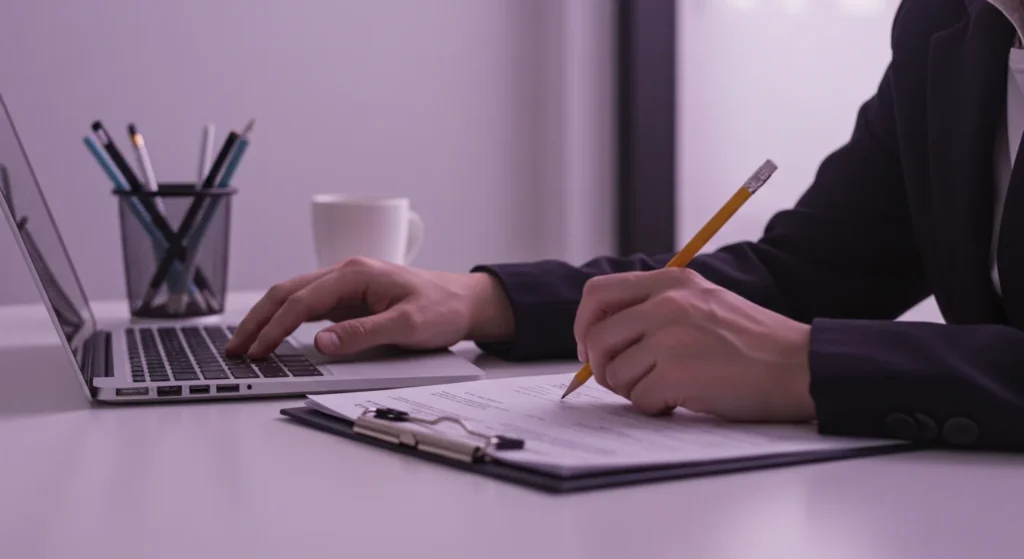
(801, 324)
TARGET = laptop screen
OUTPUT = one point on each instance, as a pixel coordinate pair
(41, 242)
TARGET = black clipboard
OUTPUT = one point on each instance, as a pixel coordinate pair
(549, 483)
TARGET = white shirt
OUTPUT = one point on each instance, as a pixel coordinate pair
(1008, 137)
(1007, 143)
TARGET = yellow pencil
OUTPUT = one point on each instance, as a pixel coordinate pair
(756, 181)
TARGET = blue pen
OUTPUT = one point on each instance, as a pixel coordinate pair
(196, 237)
(159, 243)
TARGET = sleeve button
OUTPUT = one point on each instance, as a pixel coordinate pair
(901, 426)
(960, 431)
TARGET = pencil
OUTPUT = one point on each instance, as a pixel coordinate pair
(684, 256)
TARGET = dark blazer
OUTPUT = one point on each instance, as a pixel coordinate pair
(902, 211)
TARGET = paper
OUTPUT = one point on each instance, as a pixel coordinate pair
(591, 430)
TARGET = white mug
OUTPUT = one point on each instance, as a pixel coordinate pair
(382, 228)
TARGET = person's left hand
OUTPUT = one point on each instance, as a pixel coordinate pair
(670, 338)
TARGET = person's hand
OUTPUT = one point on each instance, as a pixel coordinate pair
(375, 304)
(670, 338)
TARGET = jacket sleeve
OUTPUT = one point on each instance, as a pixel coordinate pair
(844, 259)
(845, 250)
(545, 295)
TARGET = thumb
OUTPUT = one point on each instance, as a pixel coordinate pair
(359, 334)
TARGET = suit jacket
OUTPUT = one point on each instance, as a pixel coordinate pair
(902, 211)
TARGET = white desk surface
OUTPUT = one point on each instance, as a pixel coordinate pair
(235, 479)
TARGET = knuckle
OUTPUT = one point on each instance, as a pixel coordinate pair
(681, 275)
(359, 263)
(593, 286)
(278, 293)
(616, 382)
(299, 302)
(354, 329)
(675, 299)
(410, 317)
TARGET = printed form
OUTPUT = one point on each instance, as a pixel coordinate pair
(592, 430)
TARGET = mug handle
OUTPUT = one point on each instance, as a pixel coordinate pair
(415, 240)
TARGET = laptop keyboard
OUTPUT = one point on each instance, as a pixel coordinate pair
(184, 353)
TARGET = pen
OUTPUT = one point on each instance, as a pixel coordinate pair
(205, 153)
(143, 155)
(196, 237)
(178, 239)
(157, 217)
(148, 205)
(684, 256)
(5, 188)
(159, 242)
(115, 156)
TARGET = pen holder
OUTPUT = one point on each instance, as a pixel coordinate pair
(175, 244)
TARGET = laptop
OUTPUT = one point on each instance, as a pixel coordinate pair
(180, 359)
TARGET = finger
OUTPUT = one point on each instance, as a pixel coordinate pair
(628, 368)
(610, 337)
(341, 285)
(653, 394)
(264, 309)
(360, 334)
(604, 296)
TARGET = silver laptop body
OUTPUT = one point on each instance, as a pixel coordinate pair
(179, 359)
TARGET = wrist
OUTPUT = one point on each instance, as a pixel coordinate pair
(798, 360)
(490, 311)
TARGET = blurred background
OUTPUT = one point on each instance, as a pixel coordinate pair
(519, 129)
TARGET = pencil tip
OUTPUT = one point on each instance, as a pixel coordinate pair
(248, 127)
(573, 385)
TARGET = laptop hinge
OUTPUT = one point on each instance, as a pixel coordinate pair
(97, 361)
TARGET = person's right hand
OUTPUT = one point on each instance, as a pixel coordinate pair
(374, 304)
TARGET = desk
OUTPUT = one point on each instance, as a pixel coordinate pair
(234, 479)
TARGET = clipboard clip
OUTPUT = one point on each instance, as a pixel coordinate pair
(386, 424)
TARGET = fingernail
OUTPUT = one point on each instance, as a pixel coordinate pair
(579, 354)
(328, 342)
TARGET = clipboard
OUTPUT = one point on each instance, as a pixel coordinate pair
(473, 459)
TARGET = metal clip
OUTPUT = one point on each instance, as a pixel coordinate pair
(384, 424)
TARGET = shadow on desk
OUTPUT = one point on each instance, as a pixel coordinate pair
(38, 380)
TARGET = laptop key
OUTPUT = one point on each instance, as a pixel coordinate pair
(306, 373)
(243, 373)
(185, 376)
(212, 374)
(270, 369)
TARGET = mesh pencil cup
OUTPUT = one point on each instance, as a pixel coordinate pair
(175, 244)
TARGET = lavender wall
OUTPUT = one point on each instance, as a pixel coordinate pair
(459, 104)
(779, 79)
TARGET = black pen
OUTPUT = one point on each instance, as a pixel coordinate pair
(107, 141)
(158, 218)
(5, 189)
(176, 244)
(222, 157)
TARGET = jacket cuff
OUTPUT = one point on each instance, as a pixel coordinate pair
(543, 310)
(867, 380)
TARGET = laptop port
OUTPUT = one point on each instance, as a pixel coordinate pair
(168, 391)
(222, 388)
(136, 391)
(199, 389)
